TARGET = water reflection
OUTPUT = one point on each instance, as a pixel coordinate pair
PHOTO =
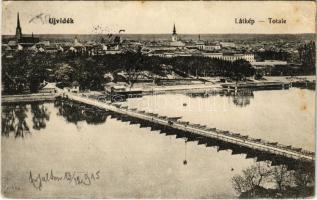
(40, 116)
(75, 112)
(14, 118)
(117, 156)
(241, 98)
(7, 120)
(148, 161)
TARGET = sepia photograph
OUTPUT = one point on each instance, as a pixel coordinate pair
(158, 99)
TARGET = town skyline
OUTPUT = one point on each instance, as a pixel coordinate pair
(110, 17)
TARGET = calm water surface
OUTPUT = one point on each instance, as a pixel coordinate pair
(284, 116)
(137, 162)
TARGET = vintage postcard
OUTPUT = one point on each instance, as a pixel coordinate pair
(158, 99)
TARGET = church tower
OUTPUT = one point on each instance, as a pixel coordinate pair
(18, 31)
(174, 35)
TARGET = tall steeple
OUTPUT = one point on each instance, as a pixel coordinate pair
(18, 23)
(18, 32)
(174, 35)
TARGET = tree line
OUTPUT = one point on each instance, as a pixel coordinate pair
(26, 71)
(262, 180)
(307, 55)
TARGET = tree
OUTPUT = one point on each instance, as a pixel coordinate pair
(64, 73)
(288, 184)
(307, 56)
(133, 66)
(15, 73)
(251, 177)
(304, 176)
(37, 70)
(239, 184)
(273, 55)
(282, 177)
(241, 69)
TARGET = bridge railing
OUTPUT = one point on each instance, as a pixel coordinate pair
(177, 120)
(247, 138)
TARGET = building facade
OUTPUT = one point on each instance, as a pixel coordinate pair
(231, 57)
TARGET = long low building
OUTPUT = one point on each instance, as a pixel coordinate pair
(230, 57)
(270, 63)
(177, 53)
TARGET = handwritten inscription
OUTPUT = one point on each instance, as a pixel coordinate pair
(48, 19)
(10, 188)
(75, 177)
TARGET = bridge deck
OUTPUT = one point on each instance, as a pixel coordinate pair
(258, 144)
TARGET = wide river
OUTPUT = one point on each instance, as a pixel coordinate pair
(127, 161)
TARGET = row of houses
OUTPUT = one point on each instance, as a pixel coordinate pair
(75, 47)
(201, 45)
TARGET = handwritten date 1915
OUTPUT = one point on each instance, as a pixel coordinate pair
(75, 177)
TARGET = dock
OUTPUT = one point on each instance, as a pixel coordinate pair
(28, 98)
(260, 145)
(257, 85)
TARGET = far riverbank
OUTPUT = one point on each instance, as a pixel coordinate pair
(212, 83)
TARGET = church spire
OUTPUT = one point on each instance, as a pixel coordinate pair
(174, 29)
(18, 21)
(18, 32)
(174, 35)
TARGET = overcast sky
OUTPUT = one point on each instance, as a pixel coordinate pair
(158, 17)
